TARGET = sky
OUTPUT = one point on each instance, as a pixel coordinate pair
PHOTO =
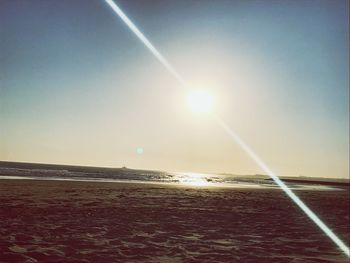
(78, 87)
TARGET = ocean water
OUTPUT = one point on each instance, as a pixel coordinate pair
(157, 177)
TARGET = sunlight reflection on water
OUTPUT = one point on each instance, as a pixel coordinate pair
(194, 179)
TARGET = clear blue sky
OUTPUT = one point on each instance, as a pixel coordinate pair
(77, 87)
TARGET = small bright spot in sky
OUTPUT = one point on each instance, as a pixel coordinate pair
(139, 150)
(200, 101)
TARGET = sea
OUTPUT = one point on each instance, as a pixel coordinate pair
(125, 175)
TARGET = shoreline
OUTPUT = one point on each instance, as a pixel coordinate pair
(240, 185)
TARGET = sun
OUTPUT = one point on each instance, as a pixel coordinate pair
(200, 101)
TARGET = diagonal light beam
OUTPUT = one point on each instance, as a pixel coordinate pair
(145, 41)
(234, 135)
(283, 186)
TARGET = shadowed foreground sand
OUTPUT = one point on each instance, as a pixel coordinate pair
(52, 221)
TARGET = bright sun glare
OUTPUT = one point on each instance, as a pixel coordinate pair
(200, 101)
(193, 179)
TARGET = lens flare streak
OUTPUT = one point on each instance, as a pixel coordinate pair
(232, 134)
(146, 42)
(283, 186)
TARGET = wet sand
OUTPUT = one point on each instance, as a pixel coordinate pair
(62, 221)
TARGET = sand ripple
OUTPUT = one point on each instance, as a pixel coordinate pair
(101, 222)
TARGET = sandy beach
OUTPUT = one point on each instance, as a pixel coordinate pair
(63, 221)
